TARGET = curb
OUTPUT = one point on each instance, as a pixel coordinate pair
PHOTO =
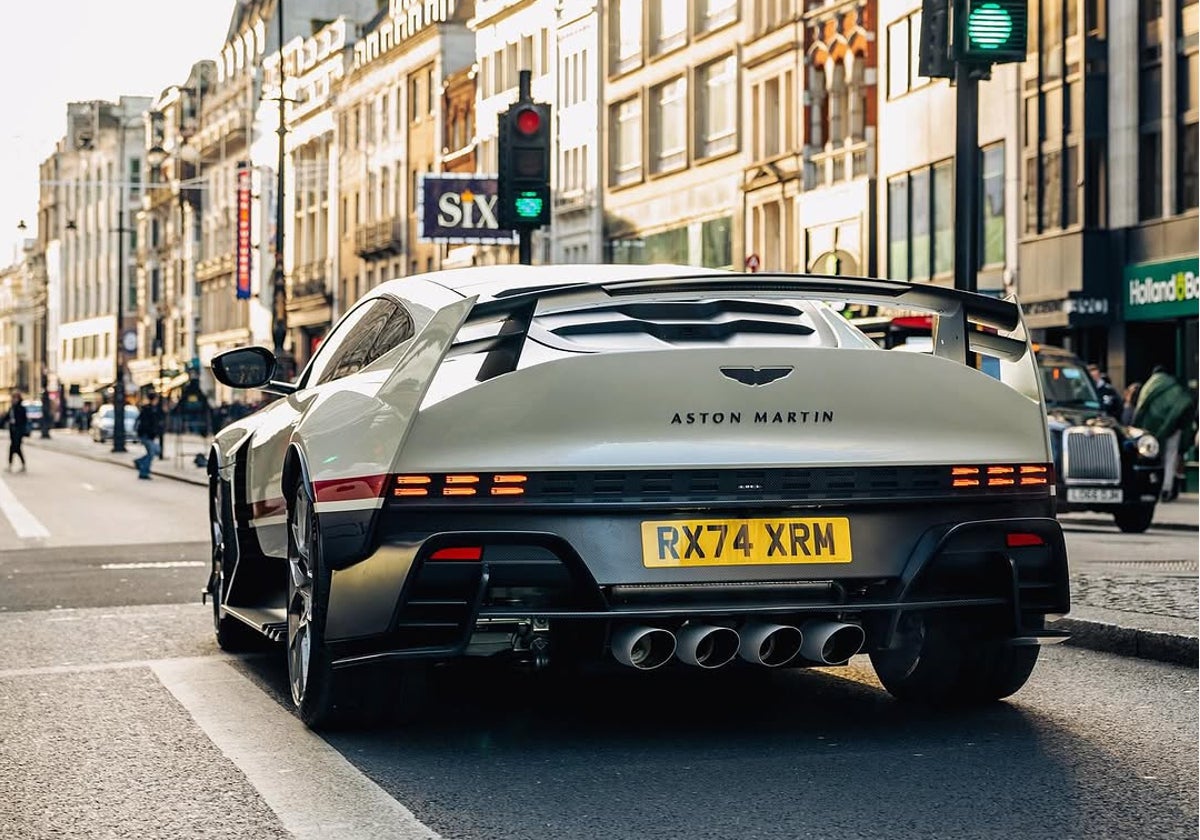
(101, 459)
(1130, 641)
(1161, 526)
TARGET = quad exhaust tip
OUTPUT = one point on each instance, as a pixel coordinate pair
(643, 648)
(707, 646)
(831, 642)
(772, 645)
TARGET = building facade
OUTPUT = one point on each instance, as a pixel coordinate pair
(18, 316)
(89, 191)
(673, 140)
(577, 232)
(917, 163)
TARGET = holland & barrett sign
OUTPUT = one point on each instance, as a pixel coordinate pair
(1169, 289)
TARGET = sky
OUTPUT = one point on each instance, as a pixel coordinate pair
(62, 51)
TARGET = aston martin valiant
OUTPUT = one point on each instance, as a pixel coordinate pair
(646, 466)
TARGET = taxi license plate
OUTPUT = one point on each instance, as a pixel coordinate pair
(1098, 495)
(744, 542)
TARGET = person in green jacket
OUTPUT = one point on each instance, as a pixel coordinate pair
(1164, 407)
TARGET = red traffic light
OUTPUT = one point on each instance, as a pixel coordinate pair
(528, 121)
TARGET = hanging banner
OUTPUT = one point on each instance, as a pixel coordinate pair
(243, 231)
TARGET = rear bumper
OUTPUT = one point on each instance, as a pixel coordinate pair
(581, 568)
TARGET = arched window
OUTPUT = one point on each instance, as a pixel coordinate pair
(857, 99)
(837, 103)
(816, 109)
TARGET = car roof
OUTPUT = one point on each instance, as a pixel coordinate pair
(490, 281)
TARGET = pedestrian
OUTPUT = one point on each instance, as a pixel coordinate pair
(18, 429)
(1131, 398)
(1163, 408)
(1110, 400)
(149, 429)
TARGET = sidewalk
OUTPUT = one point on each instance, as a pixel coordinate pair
(178, 461)
(1149, 615)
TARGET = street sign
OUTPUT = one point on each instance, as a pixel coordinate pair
(129, 341)
(752, 263)
(459, 208)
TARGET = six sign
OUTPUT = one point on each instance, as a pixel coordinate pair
(460, 208)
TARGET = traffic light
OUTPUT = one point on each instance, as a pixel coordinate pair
(990, 31)
(524, 147)
(933, 53)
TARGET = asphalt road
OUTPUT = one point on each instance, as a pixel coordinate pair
(121, 719)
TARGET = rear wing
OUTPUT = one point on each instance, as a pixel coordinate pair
(966, 322)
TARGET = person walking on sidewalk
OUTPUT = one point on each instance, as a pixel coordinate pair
(149, 427)
(18, 429)
(1163, 408)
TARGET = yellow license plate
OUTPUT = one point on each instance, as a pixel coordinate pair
(744, 542)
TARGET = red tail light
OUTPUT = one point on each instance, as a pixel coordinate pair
(462, 552)
(1020, 539)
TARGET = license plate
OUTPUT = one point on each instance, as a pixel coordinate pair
(1101, 495)
(744, 542)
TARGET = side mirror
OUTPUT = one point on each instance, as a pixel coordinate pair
(245, 367)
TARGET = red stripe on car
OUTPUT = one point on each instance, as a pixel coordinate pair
(350, 489)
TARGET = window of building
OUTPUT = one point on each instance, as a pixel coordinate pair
(668, 126)
(1052, 190)
(1187, 80)
(897, 234)
(385, 116)
(626, 141)
(943, 217)
(1150, 110)
(920, 223)
(993, 231)
(668, 25)
(716, 243)
(626, 49)
(414, 98)
(717, 109)
(1071, 185)
(770, 14)
(713, 14)
(903, 47)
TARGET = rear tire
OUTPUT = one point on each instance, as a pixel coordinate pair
(942, 661)
(1134, 519)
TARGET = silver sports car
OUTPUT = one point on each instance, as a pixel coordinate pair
(646, 465)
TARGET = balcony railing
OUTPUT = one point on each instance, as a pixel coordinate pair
(838, 163)
(380, 239)
(309, 281)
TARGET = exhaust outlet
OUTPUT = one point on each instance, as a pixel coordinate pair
(643, 648)
(831, 642)
(707, 646)
(772, 645)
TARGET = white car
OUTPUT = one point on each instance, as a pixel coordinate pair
(103, 423)
(648, 465)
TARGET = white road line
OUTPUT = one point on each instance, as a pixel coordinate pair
(89, 667)
(164, 564)
(312, 788)
(24, 523)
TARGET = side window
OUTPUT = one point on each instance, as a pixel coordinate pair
(356, 349)
(349, 331)
(398, 329)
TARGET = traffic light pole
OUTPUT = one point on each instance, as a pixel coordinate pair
(966, 180)
(525, 246)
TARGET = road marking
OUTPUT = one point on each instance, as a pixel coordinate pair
(309, 785)
(24, 523)
(165, 564)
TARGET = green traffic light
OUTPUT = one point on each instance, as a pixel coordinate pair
(528, 204)
(989, 26)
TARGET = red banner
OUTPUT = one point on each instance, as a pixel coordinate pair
(243, 231)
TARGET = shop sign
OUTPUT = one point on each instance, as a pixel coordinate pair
(242, 272)
(1168, 289)
(459, 208)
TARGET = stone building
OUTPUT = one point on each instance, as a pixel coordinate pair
(90, 188)
(675, 144)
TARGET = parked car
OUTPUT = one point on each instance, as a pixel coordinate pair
(653, 466)
(1101, 465)
(102, 423)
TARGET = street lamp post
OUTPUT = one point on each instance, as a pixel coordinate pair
(279, 325)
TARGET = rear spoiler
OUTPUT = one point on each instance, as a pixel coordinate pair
(965, 319)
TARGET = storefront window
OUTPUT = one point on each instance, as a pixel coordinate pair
(716, 243)
(921, 241)
(943, 218)
(898, 228)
